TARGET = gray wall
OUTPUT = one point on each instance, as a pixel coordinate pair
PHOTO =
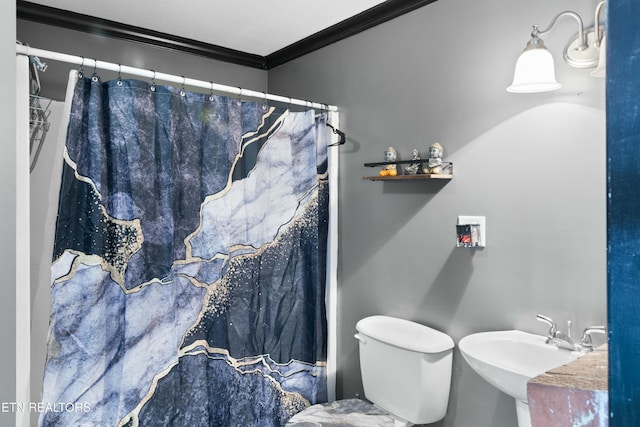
(7, 211)
(533, 164)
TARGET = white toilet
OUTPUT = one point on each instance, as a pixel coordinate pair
(406, 373)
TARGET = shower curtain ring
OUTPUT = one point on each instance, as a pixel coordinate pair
(119, 82)
(211, 97)
(153, 82)
(182, 91)
(239, 100)
(94, 76)
(265, 105)
(81, 70)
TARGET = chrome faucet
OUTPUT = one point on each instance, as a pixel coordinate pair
(585, 342)
(554, 336)
(564, 341)
(553, 330)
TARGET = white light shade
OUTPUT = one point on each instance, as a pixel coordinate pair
(601, 71)
(534, 72)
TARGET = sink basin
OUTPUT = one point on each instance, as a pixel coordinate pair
(509, 359)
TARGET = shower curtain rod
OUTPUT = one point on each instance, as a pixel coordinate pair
(151, 74)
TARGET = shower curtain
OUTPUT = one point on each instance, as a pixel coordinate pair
(188, 276)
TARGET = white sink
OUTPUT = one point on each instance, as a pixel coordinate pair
(509, 359)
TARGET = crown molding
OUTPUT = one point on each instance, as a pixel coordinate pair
(90, 24)
(76, 21)
(376, 15)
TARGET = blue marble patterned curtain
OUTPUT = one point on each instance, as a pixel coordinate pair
(188, 276)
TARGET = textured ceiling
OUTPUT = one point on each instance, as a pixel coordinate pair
(258, 27)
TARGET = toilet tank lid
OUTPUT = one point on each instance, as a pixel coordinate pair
(405, 334)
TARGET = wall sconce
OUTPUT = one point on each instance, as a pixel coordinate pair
(535, 70)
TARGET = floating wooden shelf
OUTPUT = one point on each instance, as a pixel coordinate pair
(448, 166)
(419, 177)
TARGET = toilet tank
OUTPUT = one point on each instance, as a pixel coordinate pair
(405, 367)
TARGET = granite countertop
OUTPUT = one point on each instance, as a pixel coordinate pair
(590, 372)
(572, 395)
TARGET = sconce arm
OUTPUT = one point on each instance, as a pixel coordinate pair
(596, 26)
(583, 41)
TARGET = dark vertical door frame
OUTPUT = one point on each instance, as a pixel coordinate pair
(623, 211)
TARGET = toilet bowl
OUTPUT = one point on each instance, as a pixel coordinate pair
(406, 375)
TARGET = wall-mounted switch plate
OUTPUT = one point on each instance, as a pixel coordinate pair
(471, 231)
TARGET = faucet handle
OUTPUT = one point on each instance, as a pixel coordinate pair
(586, 342)
(553, 329)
